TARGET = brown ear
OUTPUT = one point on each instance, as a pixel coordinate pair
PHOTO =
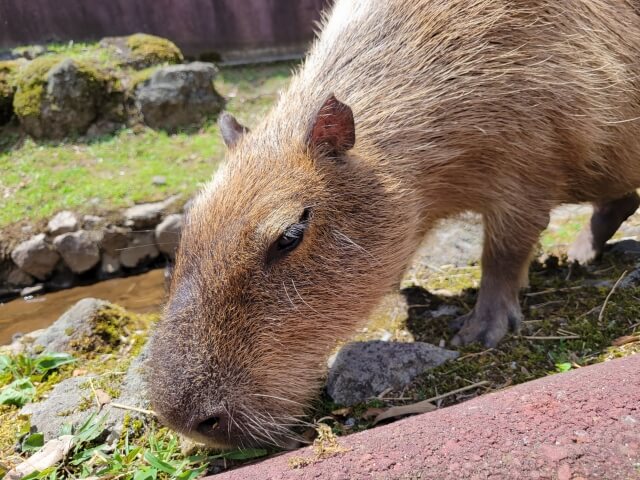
(230, 129)
(333, 131)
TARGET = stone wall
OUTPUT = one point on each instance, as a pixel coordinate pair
(247, 30)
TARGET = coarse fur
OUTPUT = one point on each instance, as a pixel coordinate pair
(507, 108)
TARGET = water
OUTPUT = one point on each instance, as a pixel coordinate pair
(139, 293)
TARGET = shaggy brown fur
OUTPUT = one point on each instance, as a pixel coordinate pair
(504, 107)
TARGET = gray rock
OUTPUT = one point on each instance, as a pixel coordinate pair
(632, 280)
(35, 257)
(103, 128)
(159, 180)
(18, 278)
(363, 370)
(61, 405)
(168, 234)
(91, 221)
(62, 222)
(142, 247)
(179, 96)
(109, 265)
(79, 250)
(147, 214)
(69, 105)
(73, 325)
(113, 240)
(629, 248)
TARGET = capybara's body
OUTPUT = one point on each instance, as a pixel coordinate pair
(405, 112)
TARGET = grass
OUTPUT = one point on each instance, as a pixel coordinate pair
(114, 172)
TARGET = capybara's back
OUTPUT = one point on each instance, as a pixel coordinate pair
(405, 112)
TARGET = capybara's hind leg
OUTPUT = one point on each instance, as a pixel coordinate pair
(505, 260)
(606, 218)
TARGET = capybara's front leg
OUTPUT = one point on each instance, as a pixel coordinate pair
(508, 244)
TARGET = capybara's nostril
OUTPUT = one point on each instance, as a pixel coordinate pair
(209, 427)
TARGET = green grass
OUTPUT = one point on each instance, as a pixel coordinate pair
(40, 179)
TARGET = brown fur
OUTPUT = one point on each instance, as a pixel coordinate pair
(504, 107)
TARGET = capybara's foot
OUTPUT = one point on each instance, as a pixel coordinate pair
(487, 326)
(606, 218)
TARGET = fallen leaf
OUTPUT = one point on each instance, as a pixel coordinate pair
(342, 412)
(372, 412)
(420, 407)
(618, 342)
(102, 397)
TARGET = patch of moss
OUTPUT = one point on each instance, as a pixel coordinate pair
(32, 79)
(12, 425)
(148, 50)
(8, 70)
(141, 76)
(112, 327)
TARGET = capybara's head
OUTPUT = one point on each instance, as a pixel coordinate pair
(282, 255)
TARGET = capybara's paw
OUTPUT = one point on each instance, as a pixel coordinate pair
(487, 328)
(582, 249)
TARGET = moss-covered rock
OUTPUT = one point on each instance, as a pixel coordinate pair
(58, 97)
(142, 51)
(150, 50)
(8, 71)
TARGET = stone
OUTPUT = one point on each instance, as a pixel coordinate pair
(79, 250)
(147, 215)
(629, 248)
(55, 99)
(72, 326)
(141, 50)
(159, 180)
(168, 234)
(632, 279)
(62, 222)
(34, 290)
(109, 265)
(363, 370)
(113, 240)
(35, 257)
(179, 96)
(103, 128)
(61, 405)
(61, 278)
(91, 221)
(141, 248)
(18, 278)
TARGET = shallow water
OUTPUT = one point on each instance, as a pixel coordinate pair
(139, 293)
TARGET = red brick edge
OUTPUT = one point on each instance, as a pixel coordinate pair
(583, 424)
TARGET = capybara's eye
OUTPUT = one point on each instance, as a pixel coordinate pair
(291, 238)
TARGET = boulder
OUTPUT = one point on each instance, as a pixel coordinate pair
(168, 234)
(56, 98)
(18, 278)
(141, 51)
(62, 222)
(147, 215)
(179, 96)
(61, 405)
(140, 249)
(72, 327)
(35, 257)
(79, 250)
(113, 240)
(363, 370)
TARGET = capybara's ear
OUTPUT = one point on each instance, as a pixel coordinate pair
(231, 129)
(333, 131)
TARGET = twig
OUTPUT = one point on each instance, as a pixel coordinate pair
(95, 394)
(558, 337)
(606, 300)
(552, 290)
(454, 392)
(134, 409)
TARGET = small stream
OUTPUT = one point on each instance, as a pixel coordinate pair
(140, 293)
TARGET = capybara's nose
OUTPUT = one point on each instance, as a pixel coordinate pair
(210, 427)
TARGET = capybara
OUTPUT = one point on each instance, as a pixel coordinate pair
(404, 112)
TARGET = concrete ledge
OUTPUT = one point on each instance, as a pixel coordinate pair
(583, 424)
